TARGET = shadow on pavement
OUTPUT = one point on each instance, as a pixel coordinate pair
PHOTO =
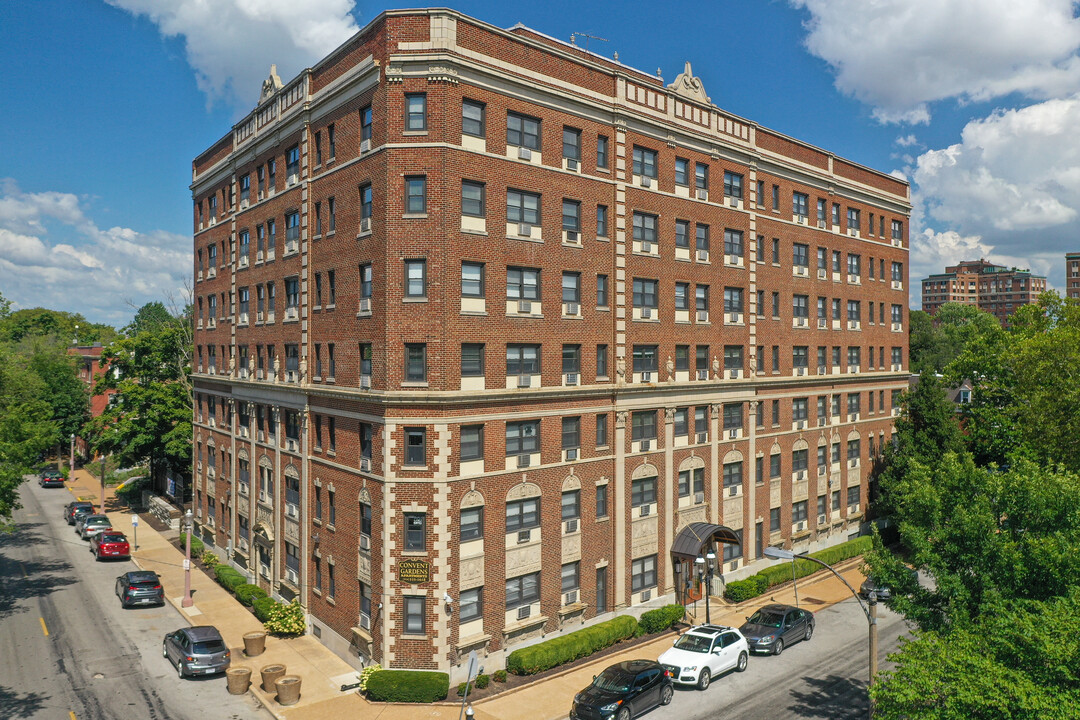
(27, 578)
(831, 697)
(14, 705)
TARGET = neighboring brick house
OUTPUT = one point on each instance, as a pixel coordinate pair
(997, 289)
(90, 371)
(1072, 275)
(454, 277)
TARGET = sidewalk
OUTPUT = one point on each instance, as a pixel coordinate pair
(323, 672)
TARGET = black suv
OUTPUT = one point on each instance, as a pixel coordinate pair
(51, 477)
(774, 627)
(75, 508)
(623, 691)
(139, 587)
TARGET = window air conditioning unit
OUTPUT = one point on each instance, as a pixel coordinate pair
(702, 255)
(365, 464)
(572, 165)
(571, 378)
(365, 622)
(733, 201)
(571, 453)
(291, 510)
(800, 371)
(734, 373)
(365, 382)
(524, 230)
(290, 376)
(646, 181)
(820, 519)
(292, 179)
(524, 460)
(572, 236)
(702, 374)
(524, 536)
(702, 194)
(645, 510)
(646, 596)
(646, 445)
(571, 526)
(646, 246)
(646, 376)
(365, 542)
(702, 316)
(800, 219)
(525, 306)
(800, 526)
(291, 445)
(821, 224)
(699, 497)
(820, 421)
(733, 434)
(800, 322)
(573, 309)
(702, 437)
(570, 598)
(291, 575)
(524, 153)
(365, 305)
(646, 313)
(365, 224)
(800, 476)
(524, 611)
(524, 381)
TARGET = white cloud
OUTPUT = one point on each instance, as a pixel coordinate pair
(99, 273)
(231, 43)
(899, 55)
(907, 140)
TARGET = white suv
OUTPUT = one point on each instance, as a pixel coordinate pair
(703, 652)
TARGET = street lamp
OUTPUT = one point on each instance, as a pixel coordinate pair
(775, 553)
(186, 602)
(71, 466)
(706, 569)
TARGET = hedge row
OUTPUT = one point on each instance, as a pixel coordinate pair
(229, 578)
(263, 606)
(654, 621)
(741, 590)
(569, 647)
(197, 546)
(247, 593)
(408, 686)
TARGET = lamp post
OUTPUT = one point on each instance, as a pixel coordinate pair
(186, 602)
(775, 553)
(706, 569)
(71, 466)
(102, 483)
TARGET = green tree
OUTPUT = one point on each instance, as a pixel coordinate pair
(151, 317)
(36, 322)
(26, 427)
(65, 393)
(937, 341)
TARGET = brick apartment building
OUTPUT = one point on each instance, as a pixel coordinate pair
(1072, 275)
(483, 316)
(90, 371)
(997, 289)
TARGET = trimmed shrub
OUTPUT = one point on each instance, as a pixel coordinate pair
(499, 676)
(755, 585)
(566, 648)
(247, 593)
(660, 619)
(482, 681)
(229, 578)
(738, 591)
(418, 686)
(263, 606)
(197, 546)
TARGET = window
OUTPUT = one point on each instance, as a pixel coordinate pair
(601, 290)
(682, 296)
(601, 151)
(733, 416)
(760, 194)
(292, 292)
(682, 357)
(733, 357)
(643, 425)
(570, 576)
(732, 474)
(776, 410)
(522, 514)
(601, 221)
(853, 495)
(472, 198)
(601, 431)
(681, 418)
(365, 281)
(799, 410)
(522, 438)
(471, 604)
(472, 442)
(601, 361)
(854, 264)
(522, 207)
(682, 171)
(318, 156)
(897, 229)
(415, 620)
(733, 243)
(331, 365)
(571, 505)
(645, 358)
(800, 255)
(365, 124)
(645, 293)
(733, 185)
(775, 197)
(472, 523)
(292, 227)
(702, 237)
(415, 362)
(701, 420)
(365, 202)
(571, 216)
(800, 306)
(571, 144)
(897, 313)
(522, 131)
(415, 532)
(644, 228)
(853, 219)
(643, 492)
(800, 205)
(416, 195)
(472, 279)
(854, 310)
(776, 251)
(701, 177)
(522, 359)
(522, 284)
(415, 446)
(601, 501)
(292, 163)
(644, 162)
(701, 298)
(682, 234)
(415, 112)
(733, 300)
(897, 272)
(643, 573)
(776, 305)
(331, 143)
(853, 402)
(472, 118)
(523, 590)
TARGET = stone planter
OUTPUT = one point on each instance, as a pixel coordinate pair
(288, 690)
(270, 674)
(238, 679)
(254, 643)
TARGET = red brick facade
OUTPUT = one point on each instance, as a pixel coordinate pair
(393, 435)
(994, 288)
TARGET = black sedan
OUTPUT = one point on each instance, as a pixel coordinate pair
(774, 627)
(623, 691)
(51, 477)
(139, 587)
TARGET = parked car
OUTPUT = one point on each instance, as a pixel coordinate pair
(81, 517)
(139, 587)
(883, 591)
(110, 544)
(196, 650)
(703, 652)
(623, 691)
(774, 627)
(91, 525)
(75, 506)
(51, 477)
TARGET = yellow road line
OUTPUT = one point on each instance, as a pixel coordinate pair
(71, 714)
(43, 628)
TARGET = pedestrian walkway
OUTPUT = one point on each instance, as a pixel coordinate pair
(323, 673)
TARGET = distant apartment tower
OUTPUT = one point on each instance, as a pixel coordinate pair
(1072, 274)
(454, 277)
(997, 289)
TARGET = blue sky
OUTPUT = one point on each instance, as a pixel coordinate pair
(107, 102)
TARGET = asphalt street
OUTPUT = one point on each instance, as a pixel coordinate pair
(67, 649)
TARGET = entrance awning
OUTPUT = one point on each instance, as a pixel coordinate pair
(695, 536)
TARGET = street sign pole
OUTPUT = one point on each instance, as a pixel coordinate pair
(135, 529)
(473, 669)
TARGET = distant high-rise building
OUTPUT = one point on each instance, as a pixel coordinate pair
(997, 289)
(1072, 274)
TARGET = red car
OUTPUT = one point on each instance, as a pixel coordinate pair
(110, 544)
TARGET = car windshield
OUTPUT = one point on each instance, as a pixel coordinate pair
(98, 521)
(613, 680)
(693, 643)
(768, 619)
(208, 646)
(106, 538)
(145, 583)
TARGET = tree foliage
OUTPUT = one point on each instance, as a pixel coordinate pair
(938, 340)
(26, 426)
(30, 322)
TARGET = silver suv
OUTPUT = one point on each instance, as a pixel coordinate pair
(196, 651)
(703, 652)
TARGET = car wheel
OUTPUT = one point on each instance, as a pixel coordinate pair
(809, 632)
(704, 679)
(180, 669)
(779, 647)
(666, 694)
(624, 714)
(743, 660)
